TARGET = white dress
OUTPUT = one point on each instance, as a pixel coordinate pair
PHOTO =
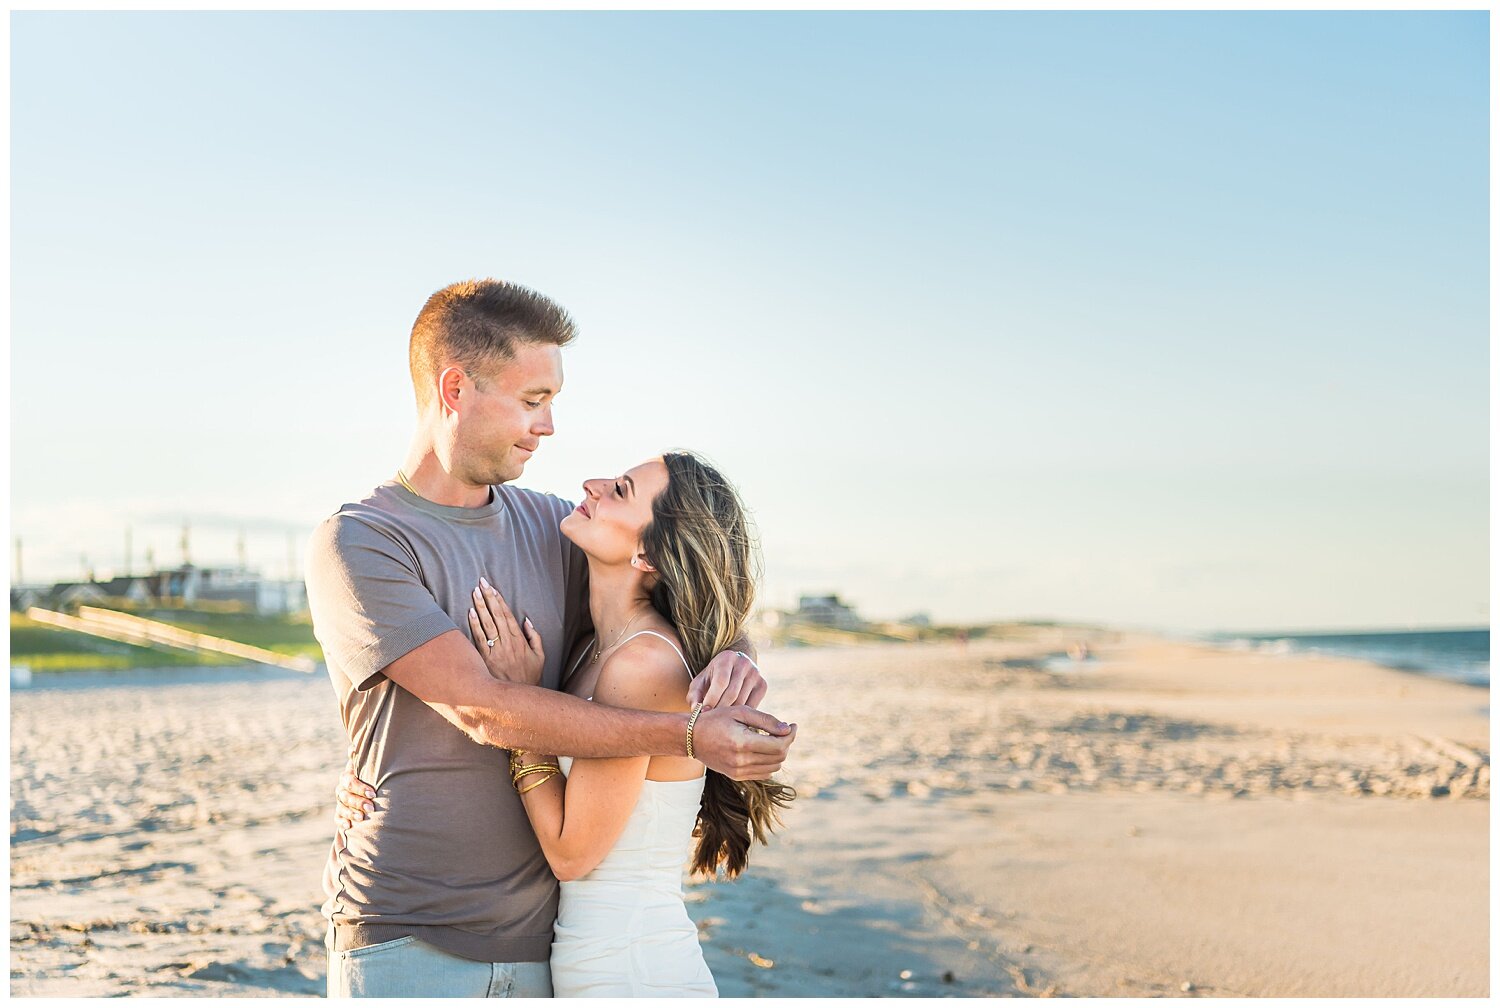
(623, 930)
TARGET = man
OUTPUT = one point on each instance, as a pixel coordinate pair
(440, 888)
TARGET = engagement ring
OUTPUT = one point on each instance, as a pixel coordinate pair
(491, 643)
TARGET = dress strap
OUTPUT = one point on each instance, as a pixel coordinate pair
(674, 647)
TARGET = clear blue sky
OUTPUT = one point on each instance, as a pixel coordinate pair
(1175, 320)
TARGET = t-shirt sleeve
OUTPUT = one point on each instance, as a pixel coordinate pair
(369, 605)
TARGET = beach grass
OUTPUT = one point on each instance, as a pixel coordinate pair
(285, 634)
(45, 648)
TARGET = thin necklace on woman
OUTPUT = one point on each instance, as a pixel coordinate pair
(618, 637)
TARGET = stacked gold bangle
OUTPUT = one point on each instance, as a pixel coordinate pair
(536, 784)
(519, 769)
(692, 719)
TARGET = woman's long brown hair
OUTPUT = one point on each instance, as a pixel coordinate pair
(699, 543)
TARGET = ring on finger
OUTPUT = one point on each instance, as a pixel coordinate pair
(491, 642)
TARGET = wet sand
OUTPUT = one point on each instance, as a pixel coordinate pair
(1171, 820)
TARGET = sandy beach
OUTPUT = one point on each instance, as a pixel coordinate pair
(972, 821)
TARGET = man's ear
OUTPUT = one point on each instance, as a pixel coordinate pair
(451, 382)
(639, 562)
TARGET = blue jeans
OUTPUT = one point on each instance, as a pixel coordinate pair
(409, 967)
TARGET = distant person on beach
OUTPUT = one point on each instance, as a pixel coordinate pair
(440, 886)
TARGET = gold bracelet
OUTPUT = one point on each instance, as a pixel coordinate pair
(692, 719)
(517, 757)
(536, 784)
(517, 760)
(534, 768)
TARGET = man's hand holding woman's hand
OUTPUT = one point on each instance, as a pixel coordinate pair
(741, 742)
(731, 736)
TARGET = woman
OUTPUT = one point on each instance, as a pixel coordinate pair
(671, 583)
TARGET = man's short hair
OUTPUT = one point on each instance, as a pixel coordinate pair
(476, 324)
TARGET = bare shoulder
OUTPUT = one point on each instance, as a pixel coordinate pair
(645, 674)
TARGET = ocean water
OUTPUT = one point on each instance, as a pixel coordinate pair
(1460, 655)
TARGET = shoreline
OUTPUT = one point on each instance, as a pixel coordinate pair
(1463, 672)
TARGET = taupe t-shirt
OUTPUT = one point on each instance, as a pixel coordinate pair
(448, 854)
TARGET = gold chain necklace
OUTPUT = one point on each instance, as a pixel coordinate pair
(400, 475)
(600, 651)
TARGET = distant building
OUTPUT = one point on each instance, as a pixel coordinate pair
(227, 584)
(827, 610)
(280, 596)
(72, 594)
(184, 585)
(188, 584)
(129, 589)
(180, 583)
